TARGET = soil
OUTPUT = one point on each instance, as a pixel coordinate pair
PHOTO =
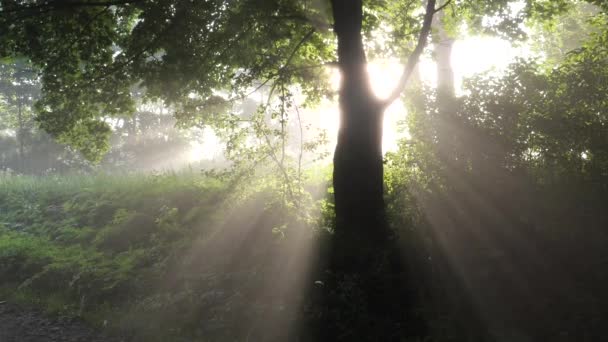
(21, 324)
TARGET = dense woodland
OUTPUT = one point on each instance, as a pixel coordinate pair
(487, 222)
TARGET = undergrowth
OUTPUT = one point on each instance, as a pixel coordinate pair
(158, 257)
(193, 257)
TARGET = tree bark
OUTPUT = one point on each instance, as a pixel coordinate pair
(358, 165)
(365, 292)
(358, 169)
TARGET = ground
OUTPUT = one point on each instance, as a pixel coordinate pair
(20, 324)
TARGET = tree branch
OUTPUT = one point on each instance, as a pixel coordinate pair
(283, 68)
(415, 56)
(440, 8)
(298, 46)
(316, 22)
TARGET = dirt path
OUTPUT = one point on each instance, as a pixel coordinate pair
(18, 324)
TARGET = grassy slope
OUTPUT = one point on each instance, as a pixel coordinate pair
(185, 257)
(163, 256)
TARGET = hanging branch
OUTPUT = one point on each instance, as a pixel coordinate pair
(282, 69)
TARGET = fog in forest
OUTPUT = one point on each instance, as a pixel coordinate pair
(315, 170)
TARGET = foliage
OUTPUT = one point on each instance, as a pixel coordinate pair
(137, 249)
(26, 148)
(502, 18)
(554, 38)
(99, 52)
(201, 57)
(504, 178)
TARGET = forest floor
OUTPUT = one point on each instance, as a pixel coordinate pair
(21, 324)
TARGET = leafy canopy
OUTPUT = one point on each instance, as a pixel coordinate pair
(195, 55)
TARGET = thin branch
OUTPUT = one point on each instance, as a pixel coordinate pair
(289, 59)
(283, 134)
(120, 66)
(415, 56)
(301, 152)
(280, 162)
(440, 8)
(281, 70)
(318, 23)
(274, 157)
(298, 46)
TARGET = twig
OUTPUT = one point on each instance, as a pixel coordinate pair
(438, 9)
(281, 70)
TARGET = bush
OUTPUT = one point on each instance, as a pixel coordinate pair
(127, 230)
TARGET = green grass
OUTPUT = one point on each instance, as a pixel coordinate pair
(149, 254)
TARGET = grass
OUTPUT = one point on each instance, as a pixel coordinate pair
(190, 257)
(149, 255)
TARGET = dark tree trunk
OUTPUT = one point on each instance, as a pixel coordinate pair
(358, 171)
(365, 296)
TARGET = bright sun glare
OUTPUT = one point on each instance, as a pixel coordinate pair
(469, 56)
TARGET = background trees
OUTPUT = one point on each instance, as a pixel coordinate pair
(517, 182)
(19, 88)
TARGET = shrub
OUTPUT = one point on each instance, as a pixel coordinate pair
(127, 230)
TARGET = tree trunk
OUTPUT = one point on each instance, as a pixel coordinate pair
(364, 295)
(443, 54)
(449, 126)
(20, 136)
(358, 169)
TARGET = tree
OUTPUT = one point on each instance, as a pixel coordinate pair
(90, 52)
(358, 165)
(187, 52)
(19, 88)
